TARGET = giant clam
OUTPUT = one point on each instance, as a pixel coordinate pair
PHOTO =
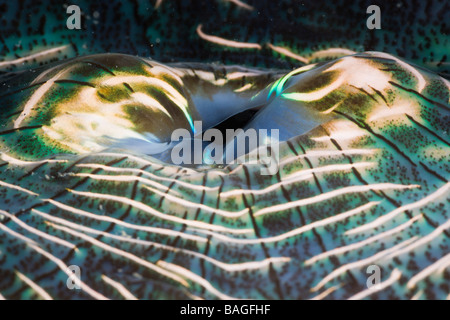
(361, 181)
